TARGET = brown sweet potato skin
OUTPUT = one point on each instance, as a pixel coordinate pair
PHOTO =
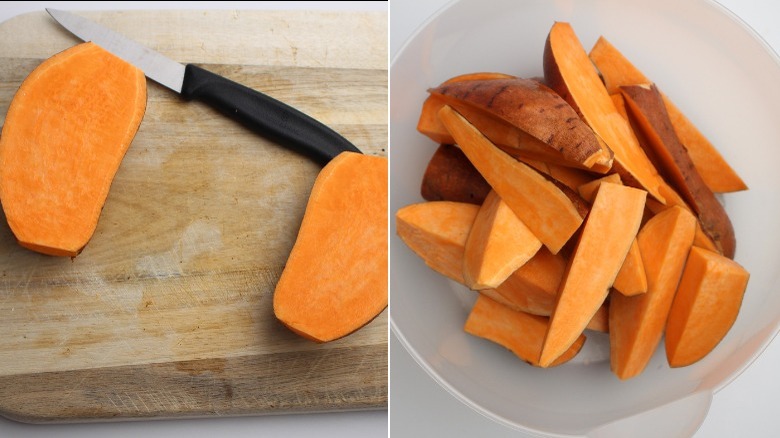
(530, 106)
(450, 176)
(646, 106)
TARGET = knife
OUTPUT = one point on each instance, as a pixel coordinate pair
(263, 114)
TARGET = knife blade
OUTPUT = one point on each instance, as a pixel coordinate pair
(263, 114)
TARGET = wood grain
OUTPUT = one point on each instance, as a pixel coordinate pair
(167, 312)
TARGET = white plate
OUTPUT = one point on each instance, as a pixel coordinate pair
(722, 76)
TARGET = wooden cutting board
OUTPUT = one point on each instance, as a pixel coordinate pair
(167, 312)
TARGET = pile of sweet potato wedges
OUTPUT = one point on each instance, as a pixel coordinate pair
(584, 200)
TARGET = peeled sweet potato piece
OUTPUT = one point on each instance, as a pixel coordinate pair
(520, 332)
(497, 245)
(544, 124)
(429, 123)
(617, 71)
(571, 74)
(66, 132)
(606, 237)
(589, 189)
(547, 212)
(631, 279)
(705, 306)
(335, 279)
(437, 232)
(636, 323)
(450, 176)
(646, 106)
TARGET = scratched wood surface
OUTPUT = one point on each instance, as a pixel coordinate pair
(167, 312)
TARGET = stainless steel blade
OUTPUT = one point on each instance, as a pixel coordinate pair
(155, 66)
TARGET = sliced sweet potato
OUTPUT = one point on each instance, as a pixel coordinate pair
(450, 176)
(600, 320)
(520, 332)
(544, 122)
(571, 74)
(335, 279)
(705, 307)
(636, 323)
(617, 71)
(631, 279)
(429, 123)
(646, 106)
(67, 129)
(498, 244)
(589, 189)
(437, 232)
(533, 287)
(700, 238)
(606, 237)
(536, 201)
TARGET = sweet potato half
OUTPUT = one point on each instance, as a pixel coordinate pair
(66, 132)
(335, 280)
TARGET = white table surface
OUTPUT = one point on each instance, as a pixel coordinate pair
(342, 425)
(748, 407)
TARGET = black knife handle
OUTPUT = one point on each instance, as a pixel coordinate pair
(265, 115)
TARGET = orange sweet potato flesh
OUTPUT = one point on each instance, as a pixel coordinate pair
(520, 332)
(569, 71)
(66, 132)
(544, 124)
(705, 307)
(636, 323)
(611, 226)
(617, 71)
(645, 105)
(437, 232)
(498, 244)
(631, 279)
(429, 123)
(335, 280)
(450, 176)
(541, 205)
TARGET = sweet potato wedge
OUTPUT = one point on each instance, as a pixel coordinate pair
(450, 176)
(571, 74)
(544, 124)
(636, 323)
(520, 332)
(606, 237)
(429, 123)
(631, 278)
(498, 244)
(617, 71)
(645, 105)
(65, 135)
(705, 306)
(335, 279)
(437, 232)
(536, 201)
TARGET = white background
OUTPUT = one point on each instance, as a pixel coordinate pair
(341, 425)
(748, 407)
